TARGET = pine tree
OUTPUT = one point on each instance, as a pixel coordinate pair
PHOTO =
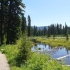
(39, 32)
(10, 20)
(58, 29)
(44, 30)
(53, 28)
(65, 29)
(23, 24)
(49, 29)
(1, 22)
(14, 22)
(67, 37)
(29, 26)
(66, 32)
(34, 31)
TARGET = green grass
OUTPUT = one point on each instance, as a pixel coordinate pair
(14, 52)
(11, 52)
(58, 41)
(41, 62)
(35, 62)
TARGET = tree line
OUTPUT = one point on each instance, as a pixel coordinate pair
(53, 29)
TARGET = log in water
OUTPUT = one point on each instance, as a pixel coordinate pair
(63, 57)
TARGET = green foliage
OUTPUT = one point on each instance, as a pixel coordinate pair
(35, 31)
(23, 24)
(10, 20)
(11, 52)
(37, 62)
(18, 68)
(53, 29)
(24, 51)
(20, 55)
(41, 62)
(29, 26)
(67, 37)
(58, 41)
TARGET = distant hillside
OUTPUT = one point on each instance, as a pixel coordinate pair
(41, 27)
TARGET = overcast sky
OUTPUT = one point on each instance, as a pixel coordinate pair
(46, 12)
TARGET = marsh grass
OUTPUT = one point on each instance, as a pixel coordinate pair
(58, 41)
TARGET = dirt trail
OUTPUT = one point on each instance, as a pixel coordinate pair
(3, 62)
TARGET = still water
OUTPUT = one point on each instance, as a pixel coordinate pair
(54, 52)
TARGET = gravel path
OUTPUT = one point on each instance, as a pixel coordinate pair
(3, 62)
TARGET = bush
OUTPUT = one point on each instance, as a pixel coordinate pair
(42, 62)
(24, 52)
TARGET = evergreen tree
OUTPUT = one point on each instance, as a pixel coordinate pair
(67, 37)
(23, 24)
(34, 31)
(45, 31)
(29, 26)
(39, 32)
(10, 23)
(65, 29)
(14, 24)
(58, 29)
(53, 28)
(66, 32)
(1, 21)
(69, 30)
(49, 29)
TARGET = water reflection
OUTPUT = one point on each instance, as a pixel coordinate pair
(55, 52)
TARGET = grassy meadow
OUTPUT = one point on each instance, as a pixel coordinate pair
(20, 56)
(58, 41)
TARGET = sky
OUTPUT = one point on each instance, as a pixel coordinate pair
(46, 12)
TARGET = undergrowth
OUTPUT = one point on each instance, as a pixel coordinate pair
(20, 57)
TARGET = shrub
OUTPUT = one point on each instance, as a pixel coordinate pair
(24, 52)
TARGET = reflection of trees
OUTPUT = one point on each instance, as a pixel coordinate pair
(52, 50)
(67, 51)
(45, 45)
(50, 47)
(35, 44)
(35, 47)
(67, 48)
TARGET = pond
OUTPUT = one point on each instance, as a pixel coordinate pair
(54, 52)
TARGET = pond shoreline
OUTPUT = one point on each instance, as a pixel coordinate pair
(53, 42)
(54, 52)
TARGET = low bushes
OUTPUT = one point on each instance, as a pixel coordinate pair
(20, 57)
